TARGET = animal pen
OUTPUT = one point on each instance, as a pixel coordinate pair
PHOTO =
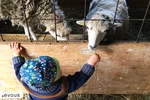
(124, 67)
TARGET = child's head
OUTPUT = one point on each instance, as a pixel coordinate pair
(40, 72)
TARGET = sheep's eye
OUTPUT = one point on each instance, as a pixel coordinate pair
(87, 27)
(106, 31)
(58, 35)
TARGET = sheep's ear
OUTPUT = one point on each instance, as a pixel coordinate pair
(46, 30)
(81, 22)
(117, 24)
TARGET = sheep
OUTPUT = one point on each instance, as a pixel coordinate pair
(100, 20)
(31, 14)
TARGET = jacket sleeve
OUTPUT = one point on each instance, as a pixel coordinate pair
(18, 61)
(79, 78)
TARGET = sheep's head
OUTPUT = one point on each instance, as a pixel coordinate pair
(97, 30)
(62, 29)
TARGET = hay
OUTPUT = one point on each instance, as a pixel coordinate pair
(99, 97)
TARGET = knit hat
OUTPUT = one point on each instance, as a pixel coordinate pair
(40, 72)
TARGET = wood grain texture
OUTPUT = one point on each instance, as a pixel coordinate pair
(41, 37)
(124, 67)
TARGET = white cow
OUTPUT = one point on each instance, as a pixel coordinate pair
(100, 20)
(31, 14)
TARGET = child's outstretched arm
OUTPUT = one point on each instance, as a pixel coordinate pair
(79, 78)
(17, 60)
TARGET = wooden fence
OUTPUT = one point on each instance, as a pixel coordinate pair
(124, 67)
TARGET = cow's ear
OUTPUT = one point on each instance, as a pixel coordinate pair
(81, 22)
(117, 24)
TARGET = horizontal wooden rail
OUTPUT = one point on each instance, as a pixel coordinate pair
(41, 37)
(124, 67)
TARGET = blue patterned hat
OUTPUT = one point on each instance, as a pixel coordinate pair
(40, 72)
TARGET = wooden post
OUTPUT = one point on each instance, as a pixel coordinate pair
(124, 67)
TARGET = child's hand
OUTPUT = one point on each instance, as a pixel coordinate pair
(16, 48)
(93, 59)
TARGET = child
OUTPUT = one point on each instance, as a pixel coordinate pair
(42, 77)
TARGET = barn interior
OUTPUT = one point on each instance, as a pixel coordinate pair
(125, 64)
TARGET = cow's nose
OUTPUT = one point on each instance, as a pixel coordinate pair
(92, 47)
